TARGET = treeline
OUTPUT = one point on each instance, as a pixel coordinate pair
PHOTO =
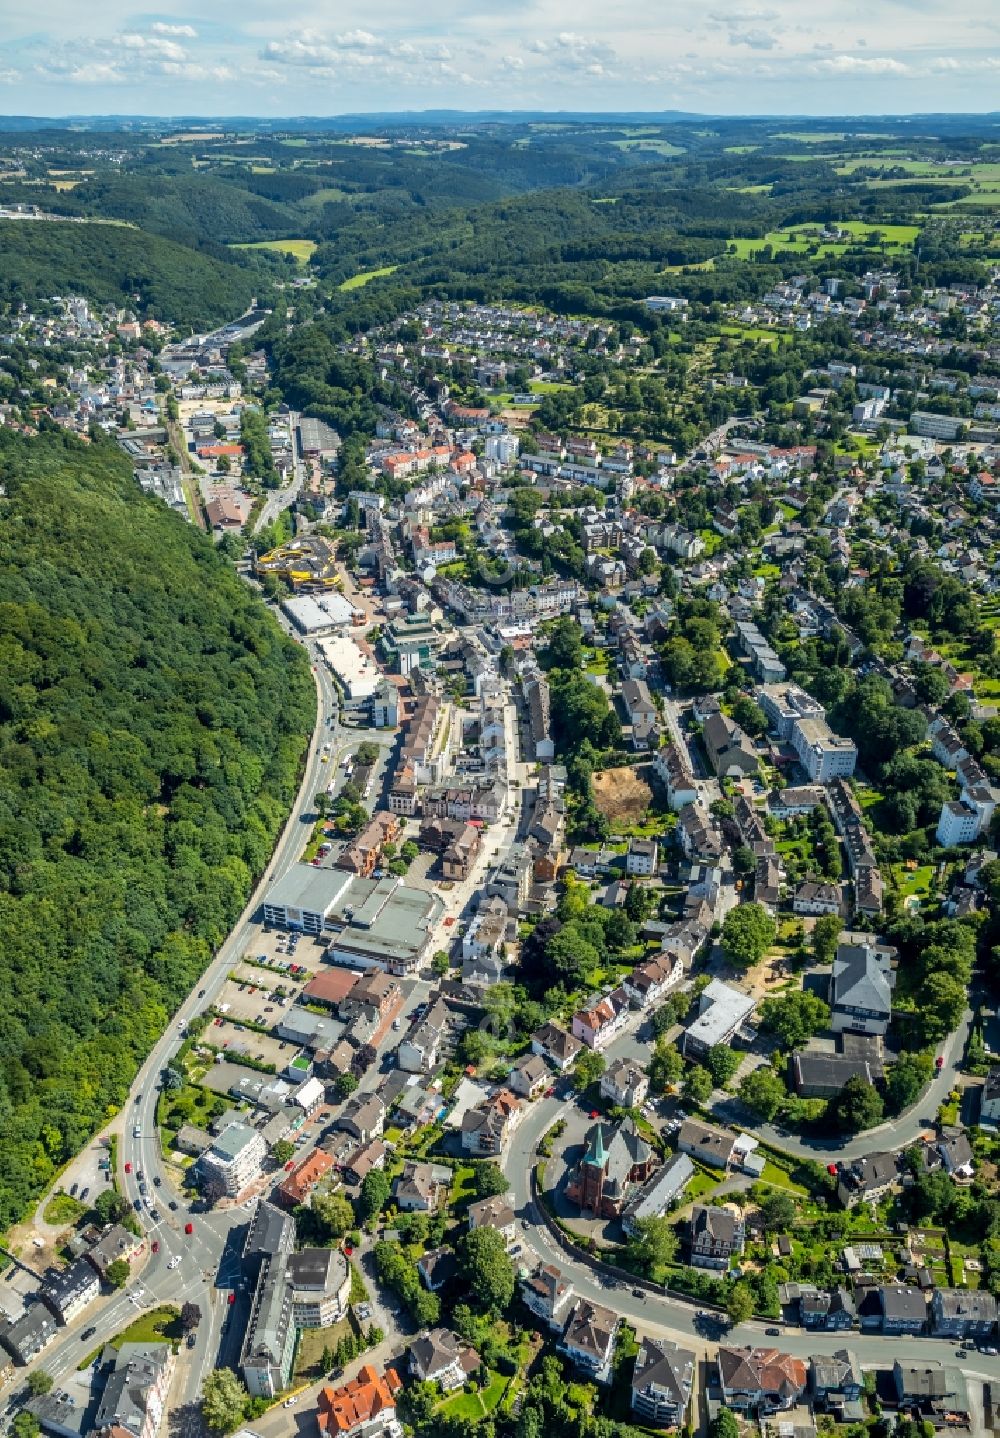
(152, 723)
(114, 264)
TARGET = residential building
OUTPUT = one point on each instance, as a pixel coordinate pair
(530, 1076)
(903, 1309)
(494, 1212)
(69, 1292)
(624, 1083)
(989, 1105)
(363, 1116)
(650, 981)
(935, 1392)
(713, 1146)
(588, 1340)
(673, 768)
(642, 858)
(487, 1128)
(233, 1162)
(418, 1051)
(114, 1243)
(597, 1026)
(963, 1313)
(556, 1045)
(867, 1179)
(861, 990)
(135, 1391)
(298, 1185)
(784, 704)
(960, 823)
(548, 1294)
(836, 1383)
(421, 1187)
(269, 1342)
(823, 1075)
(27, 1336)
(833, 1311)
(662, 1382)
(717, 1236)
(760, 1381)
(363, 1408)
(440, 1356)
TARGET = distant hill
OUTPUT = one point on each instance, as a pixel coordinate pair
(112, 263)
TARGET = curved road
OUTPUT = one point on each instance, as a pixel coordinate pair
(675, 1319)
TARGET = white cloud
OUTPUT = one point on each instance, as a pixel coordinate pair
(755, 39)
(183, 32)
(861, 65)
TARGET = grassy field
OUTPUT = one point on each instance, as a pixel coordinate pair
(476, 1405)
(805, 238)
(321, 197)
(159, 1325)
(300, 250)
(356, 281)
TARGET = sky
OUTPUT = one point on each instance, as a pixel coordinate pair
(302, 57)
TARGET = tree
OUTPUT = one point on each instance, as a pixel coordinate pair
(283, 1151)
(724, 1425)
(763, 1091)
(722, 1062)
(489, 1180)
(110, 1207)
(739, 1303)
(375, 1189)
(942, 1003)
(744, 861)
(565, 647)
(332, 1213)
(666, 1065)
(697, 1087)
(907, 1079)
(40, 1382)
(825, 937)
(25, 1425)
(440, 964)
(345, 1084)
(172, 1078)
(117, 1273)
(485, 1265)
(652, 1243)
(777, 1207)
(224, 1401)
(750, 716)
(747, 934)
(794, 1017)
(588, 1069)
(857, 1106)
(190, 1317)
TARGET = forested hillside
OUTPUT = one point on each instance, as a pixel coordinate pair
(111, 263)
(152, 723)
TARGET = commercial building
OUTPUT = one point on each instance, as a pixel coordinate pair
(722, 1011)
(320, 1283)
(320, 614)
(355, 671)
(785, 704)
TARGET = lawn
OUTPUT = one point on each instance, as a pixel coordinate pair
(358, 280)
(159, 1325)
(805, 238)
(476, 1405)
(359, 1292)
(779, 1178)
(917, 881)
(63, 1208)
(313, 1343)
(657, 147)
(463, 1185)
(300, 250)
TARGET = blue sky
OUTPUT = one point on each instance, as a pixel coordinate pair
(295, 58)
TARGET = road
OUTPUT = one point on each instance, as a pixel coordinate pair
(675, 1319)
(279, 499)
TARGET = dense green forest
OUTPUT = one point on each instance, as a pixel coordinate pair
(114, 264)
(152, 723)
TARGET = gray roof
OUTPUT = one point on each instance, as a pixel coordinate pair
(270, 1316)
(137, 1368)
(305, 887)
(663, 1365)
(232, 1141)
(659, 1191)
(861, 979)
(900, 1301)
(271, 1232)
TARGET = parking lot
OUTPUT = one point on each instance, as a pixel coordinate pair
(261, 1047)
(254, 1003)
(279, 950)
